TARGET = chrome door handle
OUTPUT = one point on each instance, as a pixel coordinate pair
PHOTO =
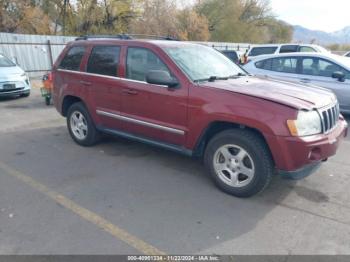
(130, 91)
(85, 83)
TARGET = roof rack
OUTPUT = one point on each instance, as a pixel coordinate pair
(119, 36)
(157, 37)
(126, 37)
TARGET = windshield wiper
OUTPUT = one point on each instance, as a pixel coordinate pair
(214, 78)
(211, 79)
(237, 75)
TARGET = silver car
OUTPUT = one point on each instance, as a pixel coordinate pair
(320, 69)
(13, 80)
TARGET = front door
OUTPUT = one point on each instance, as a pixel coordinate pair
(152, 111)
(319, 72)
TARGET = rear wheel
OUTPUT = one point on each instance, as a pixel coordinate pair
(239, 162)
(81, 126)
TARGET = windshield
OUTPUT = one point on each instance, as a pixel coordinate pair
(4, 62)
(203, 63)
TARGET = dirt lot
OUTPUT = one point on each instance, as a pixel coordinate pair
(121, 197)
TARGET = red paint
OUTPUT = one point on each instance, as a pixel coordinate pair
(252, 102)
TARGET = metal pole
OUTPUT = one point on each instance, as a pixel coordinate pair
(50, 53)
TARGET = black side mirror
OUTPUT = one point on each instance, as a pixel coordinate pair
(339, 75)
(160, 77)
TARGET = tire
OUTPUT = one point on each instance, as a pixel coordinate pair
(47, 100)
(80, 125)
(239, 162)
(25, 95)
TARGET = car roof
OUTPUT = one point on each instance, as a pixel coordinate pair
(345, 62)
(269, 45)
(141, 42)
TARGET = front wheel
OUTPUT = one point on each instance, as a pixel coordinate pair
(25, 94)
(239, 162)
(81, 126)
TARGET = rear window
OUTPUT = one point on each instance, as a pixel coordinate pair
(72, 59)
(289, 48)
(104, 60)
(285, 64)
(255, 51)
(264, 64)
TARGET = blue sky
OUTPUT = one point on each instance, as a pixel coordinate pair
(314, 14)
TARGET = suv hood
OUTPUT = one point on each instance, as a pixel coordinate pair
(291, 94)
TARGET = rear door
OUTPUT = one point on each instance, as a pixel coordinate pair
(102, 81)
(281, 68)
(319, 72)
(152, 111)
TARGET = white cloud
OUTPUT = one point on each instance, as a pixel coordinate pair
(314, 14)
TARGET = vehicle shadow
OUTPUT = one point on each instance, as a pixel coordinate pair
(165, 198)
(189, 206)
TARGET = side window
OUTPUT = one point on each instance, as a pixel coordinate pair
(319, 67)
(285, 65)
(104, 60)
(139, 61)
(348, 54)
(72, 59)
(255, 51)
(306, 49)
(264, 64)
(288, 48)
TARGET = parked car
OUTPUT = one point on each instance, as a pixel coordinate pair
(325, 70)
(257, 50)
(13, 80)
(347, 54)
(233, 55)
(191, 99)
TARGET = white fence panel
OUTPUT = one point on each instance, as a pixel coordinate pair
(35, 53)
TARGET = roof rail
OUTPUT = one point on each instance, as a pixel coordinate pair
(119, 36)
(126, 37)
(157, 37)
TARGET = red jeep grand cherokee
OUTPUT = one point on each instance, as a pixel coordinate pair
(191, 99)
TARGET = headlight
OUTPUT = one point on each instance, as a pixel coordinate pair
(307, 123)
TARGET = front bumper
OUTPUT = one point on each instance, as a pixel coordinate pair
(21, 87)
(297, 157)
(302, 172)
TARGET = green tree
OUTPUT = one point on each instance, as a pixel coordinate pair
(241, 21)
(192, 26)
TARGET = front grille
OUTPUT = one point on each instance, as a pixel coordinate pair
(329, 117)
(11, 90)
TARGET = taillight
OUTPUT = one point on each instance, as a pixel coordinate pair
(49, 77)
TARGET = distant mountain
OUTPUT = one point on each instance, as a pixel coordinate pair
(302, 34)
